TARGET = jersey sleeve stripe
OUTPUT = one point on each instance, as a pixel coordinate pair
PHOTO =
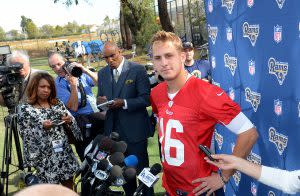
(240, 124)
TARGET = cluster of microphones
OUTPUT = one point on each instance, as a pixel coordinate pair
(105, 165)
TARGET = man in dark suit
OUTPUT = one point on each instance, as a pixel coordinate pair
(128, 85)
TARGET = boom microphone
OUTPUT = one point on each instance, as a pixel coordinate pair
(148, 178)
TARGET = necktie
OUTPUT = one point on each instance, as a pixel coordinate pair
(116, 75)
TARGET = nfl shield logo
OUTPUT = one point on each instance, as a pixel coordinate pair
(250, 3)
(277, 33)
(251, 67)
(253, 188)
(278, 107)
(229, 33)
(210, 6)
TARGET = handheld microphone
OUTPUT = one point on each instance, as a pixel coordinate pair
(120, 146)
(148, 178)
(129, 173)
(115, 172)
(114, 136)
(116, 159)
(131, 161)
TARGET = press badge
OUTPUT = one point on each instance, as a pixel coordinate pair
(57, 145)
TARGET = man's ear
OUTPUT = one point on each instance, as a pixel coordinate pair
(183, 57)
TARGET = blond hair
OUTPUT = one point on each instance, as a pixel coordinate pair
(164, 36)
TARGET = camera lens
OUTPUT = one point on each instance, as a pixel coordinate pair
(75, 71)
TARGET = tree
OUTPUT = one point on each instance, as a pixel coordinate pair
(2, 34)
(72, 28)
(47, 31)
(29, 27)
(164, 16)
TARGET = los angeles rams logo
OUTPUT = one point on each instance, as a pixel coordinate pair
(231, 63)
(197, 73)
(212, 33)
(271, 193)
(251, 32)
(213, 62)
(253, 98)
(210, 6)
(219, 139)
(251, 65)
(278, 107)
(250, 3)
(277, 33)
(229, 34)
(279, 69)
(278, 139)
(254, 158)
(228, 4)
(280, 3)
(237, 178)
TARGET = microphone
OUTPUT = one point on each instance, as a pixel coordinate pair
(114, 136)
(115, 172)
(148, 178)
(131, 161)
(129, 173)
(93, 144)
(116, 159)
(120, 146)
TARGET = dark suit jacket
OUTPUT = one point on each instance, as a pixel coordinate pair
(133, 123)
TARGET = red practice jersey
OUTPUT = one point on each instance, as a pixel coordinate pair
(185, 122)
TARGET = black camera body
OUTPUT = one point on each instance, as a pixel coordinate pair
(9, 77)
(72, 69)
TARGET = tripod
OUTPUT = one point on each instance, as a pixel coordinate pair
(10, 131)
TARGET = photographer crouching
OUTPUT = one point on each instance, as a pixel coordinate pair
(74, 85)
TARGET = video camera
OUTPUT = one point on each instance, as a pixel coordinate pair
(9, 77)
(72, 69)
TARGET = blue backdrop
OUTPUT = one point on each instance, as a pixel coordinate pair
(254, 49)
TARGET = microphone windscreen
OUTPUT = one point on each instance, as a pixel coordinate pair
(129, 174)
(98, 139)
(103, 164)
(131, 161)
(116, 171)
(120, 146)
(155, 169)
(106, 144)
(114, 136)
(116, 159)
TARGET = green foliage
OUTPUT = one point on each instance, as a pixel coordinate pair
(2, 34)
(29, 27)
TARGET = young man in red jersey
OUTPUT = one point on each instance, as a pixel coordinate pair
(188, 110)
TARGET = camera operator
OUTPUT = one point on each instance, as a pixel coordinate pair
(27, 73)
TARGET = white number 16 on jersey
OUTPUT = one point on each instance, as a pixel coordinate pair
(169, 142)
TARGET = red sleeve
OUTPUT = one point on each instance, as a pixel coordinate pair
(218, 105)
(154, 108)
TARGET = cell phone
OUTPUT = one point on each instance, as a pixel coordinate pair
(57, 122)
(105, 104)
(206, 152)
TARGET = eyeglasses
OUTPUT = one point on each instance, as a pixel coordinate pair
(110, 56)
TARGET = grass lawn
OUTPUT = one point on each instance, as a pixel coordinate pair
(42, 63)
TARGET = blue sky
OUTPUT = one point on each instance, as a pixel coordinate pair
(46, 12)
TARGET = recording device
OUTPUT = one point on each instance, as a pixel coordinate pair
(206, 152)
(9, 77)
(72, 69)
(148, 178)
(104, 106)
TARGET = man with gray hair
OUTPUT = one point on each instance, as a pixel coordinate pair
(27, 73)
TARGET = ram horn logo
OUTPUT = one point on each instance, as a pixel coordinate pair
(212, 33)
(219, 139)
(231, 63)
(237, 178)
(279, 69)
(278, 139)
(280, 3)
(250, 3)
(228, 4)
(210, 6)
(253, 98)
(254, 158)
(251, 64)
(251, 32)
(213, 62)
(277, 33)
(278, 107)
(229, 34)
(271, 193)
